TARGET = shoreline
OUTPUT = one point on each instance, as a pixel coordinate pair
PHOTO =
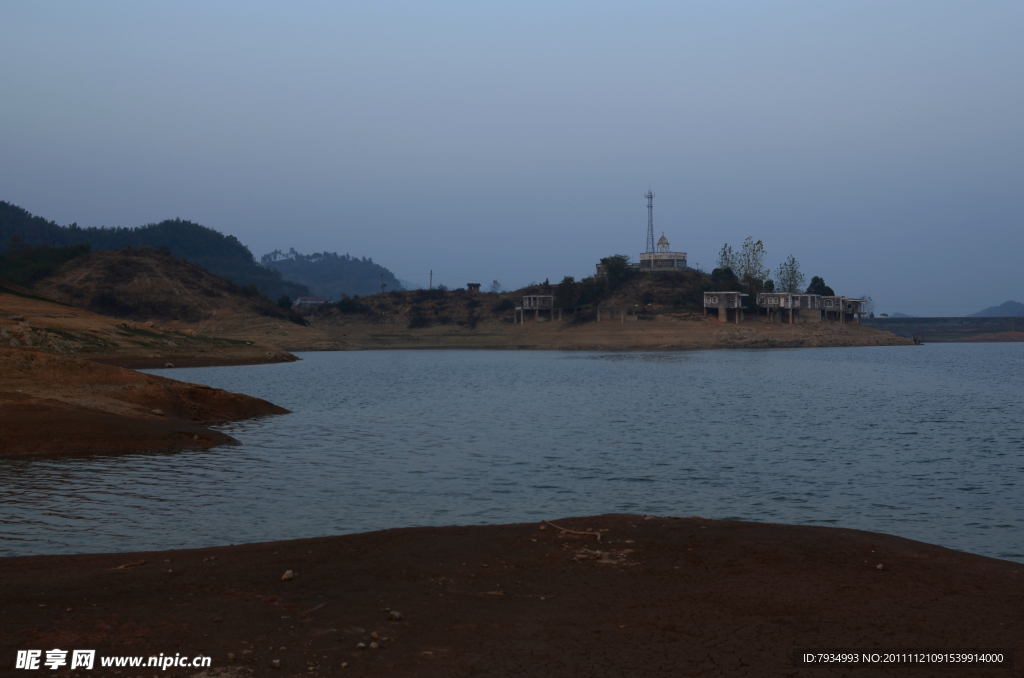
(57, 405)
(662, 332)
(655, 596)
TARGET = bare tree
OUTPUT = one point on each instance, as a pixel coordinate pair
(790, 279)
(868, 307)
(495, 287)
(751, 262)
(727, 259)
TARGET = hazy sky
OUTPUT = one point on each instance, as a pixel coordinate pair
(881, 143)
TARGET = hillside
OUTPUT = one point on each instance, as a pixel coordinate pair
(147, 284)
(329, 274)
(1010, 308)
(28, 320)
(665, 313)
(220, 254)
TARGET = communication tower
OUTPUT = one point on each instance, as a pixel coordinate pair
(650, 220)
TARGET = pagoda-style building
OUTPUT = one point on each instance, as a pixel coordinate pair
(661, 258)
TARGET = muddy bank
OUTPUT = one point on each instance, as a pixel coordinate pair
(655, 597)
(52, 404)
(661, 332)
(136, 362)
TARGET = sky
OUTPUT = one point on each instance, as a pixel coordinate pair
(879, 143)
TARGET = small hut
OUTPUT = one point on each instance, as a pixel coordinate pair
(807, 307)
(775, 303)
(832, 308)
(724, 302)
(842, 308)
(473, 287)
(536, 303)
(851, 308)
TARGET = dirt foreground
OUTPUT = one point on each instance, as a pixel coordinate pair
(653, 597)
(53, 404)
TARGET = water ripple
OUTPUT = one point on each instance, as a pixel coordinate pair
(922, 442)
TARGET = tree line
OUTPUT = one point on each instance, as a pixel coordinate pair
(745, 271)
(329, 274)
(222, 255)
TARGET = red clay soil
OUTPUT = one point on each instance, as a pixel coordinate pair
(141, 362)
(52, 404)
(655, 597)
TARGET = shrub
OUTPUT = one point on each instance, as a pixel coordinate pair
(24, 265)
(347, 305)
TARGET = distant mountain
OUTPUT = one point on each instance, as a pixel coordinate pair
(220, 254)
(330, 274)
(1014, 308)
(900, 315)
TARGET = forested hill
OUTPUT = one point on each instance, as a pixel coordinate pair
(330, 274)
(220, 254)
(1014, 308)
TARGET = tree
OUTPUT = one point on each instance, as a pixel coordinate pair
(285, 302)
(727, 258)
(769, 285)
(724, 280)
(868, 306)
(495, 287)
(565, 292)
(616, 269)
(790, 278)
(750, 266)
(818, 286)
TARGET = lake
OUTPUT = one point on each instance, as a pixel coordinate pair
(924, 442)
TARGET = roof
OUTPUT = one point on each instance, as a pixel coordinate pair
(663, 240)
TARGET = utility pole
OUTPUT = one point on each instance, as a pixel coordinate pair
(650, 220)
(431, 278)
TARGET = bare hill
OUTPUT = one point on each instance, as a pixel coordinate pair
(30, 320)
(149, 284)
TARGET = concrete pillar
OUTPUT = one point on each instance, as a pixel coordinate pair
(723, 315)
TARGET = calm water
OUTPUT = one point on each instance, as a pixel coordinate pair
(924, 442)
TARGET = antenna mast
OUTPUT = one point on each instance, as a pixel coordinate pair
(650, 220)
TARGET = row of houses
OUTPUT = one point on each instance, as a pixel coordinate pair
(785, 307)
